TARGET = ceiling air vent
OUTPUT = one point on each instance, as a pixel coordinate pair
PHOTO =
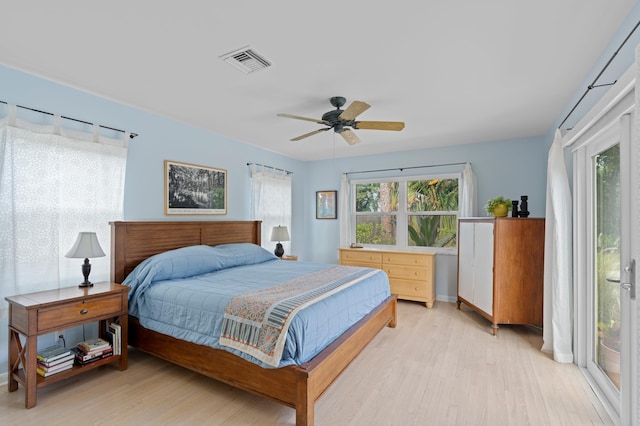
(246, 60)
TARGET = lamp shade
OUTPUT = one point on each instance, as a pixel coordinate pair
(86, 246)
(279, 233)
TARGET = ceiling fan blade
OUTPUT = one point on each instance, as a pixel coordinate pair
(297, 117)
(306, 135)
(355, 109)
(350, 137)
(379, 125)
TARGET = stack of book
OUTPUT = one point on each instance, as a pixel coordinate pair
(115, 333)
(92, 350)
(54, 359)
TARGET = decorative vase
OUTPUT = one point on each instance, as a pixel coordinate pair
(514, 208)
(500, 210)
(524, 206)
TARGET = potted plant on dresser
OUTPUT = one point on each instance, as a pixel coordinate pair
(498, 206)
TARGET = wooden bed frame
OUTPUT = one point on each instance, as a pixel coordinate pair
(295, 386)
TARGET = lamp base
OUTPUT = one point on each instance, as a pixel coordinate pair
(279, 251)
(86, 270)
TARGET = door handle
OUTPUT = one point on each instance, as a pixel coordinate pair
(630, 279)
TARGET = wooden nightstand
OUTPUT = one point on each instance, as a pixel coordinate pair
(288, 257)
(34, 314)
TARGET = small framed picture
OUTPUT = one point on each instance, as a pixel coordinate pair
(191, 189)
(326, 204)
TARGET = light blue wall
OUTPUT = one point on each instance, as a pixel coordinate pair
(508, 168)
(159, 139)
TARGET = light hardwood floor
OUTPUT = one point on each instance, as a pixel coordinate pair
(440, 366)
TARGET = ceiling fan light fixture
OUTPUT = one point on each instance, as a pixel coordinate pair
(246, 59)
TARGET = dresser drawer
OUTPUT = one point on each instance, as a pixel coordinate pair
(360, 257)
(408, 272)
(62, 316)
(407, 259)
(362, 264)
(411, 289)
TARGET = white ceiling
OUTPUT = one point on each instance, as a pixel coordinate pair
(455, 72)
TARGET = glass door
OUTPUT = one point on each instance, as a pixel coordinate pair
(606, 255)
(609, 265)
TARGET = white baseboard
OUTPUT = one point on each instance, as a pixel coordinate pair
(450, 299)
(4, 379)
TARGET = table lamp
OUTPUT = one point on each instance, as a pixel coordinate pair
(86, 246)
(279, 233)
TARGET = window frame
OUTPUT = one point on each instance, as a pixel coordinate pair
(402, 214)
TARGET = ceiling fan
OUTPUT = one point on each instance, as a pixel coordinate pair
(342, 121)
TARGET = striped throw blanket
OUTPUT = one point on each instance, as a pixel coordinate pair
(256, 322)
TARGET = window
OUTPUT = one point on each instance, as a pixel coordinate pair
(406, 212)
(54, 183)
(271, 201)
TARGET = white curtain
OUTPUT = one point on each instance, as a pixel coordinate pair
(558, 255)
(468, 193)
(271, 202)
(344, 212)
(54, 183)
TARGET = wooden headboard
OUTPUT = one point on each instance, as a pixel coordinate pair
(133, 242)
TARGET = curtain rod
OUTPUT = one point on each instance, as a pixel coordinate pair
(131, 135)
(406, 168)
(269, 167)
(593, 84)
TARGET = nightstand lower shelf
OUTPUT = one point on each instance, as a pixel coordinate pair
(77, 369)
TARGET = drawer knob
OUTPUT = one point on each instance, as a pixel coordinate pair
(84, 311)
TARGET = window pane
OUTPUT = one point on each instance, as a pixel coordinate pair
(376, 229)
(377, 197)
(432, 195)
(607, 256)
(432, 231)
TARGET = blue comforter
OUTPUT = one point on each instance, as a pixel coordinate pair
(183, 293)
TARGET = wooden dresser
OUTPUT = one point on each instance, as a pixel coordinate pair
(411, 274)
(501, 269)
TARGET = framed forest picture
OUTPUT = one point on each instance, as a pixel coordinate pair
(194, 190)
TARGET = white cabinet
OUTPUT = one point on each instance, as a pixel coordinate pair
(475, 260)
